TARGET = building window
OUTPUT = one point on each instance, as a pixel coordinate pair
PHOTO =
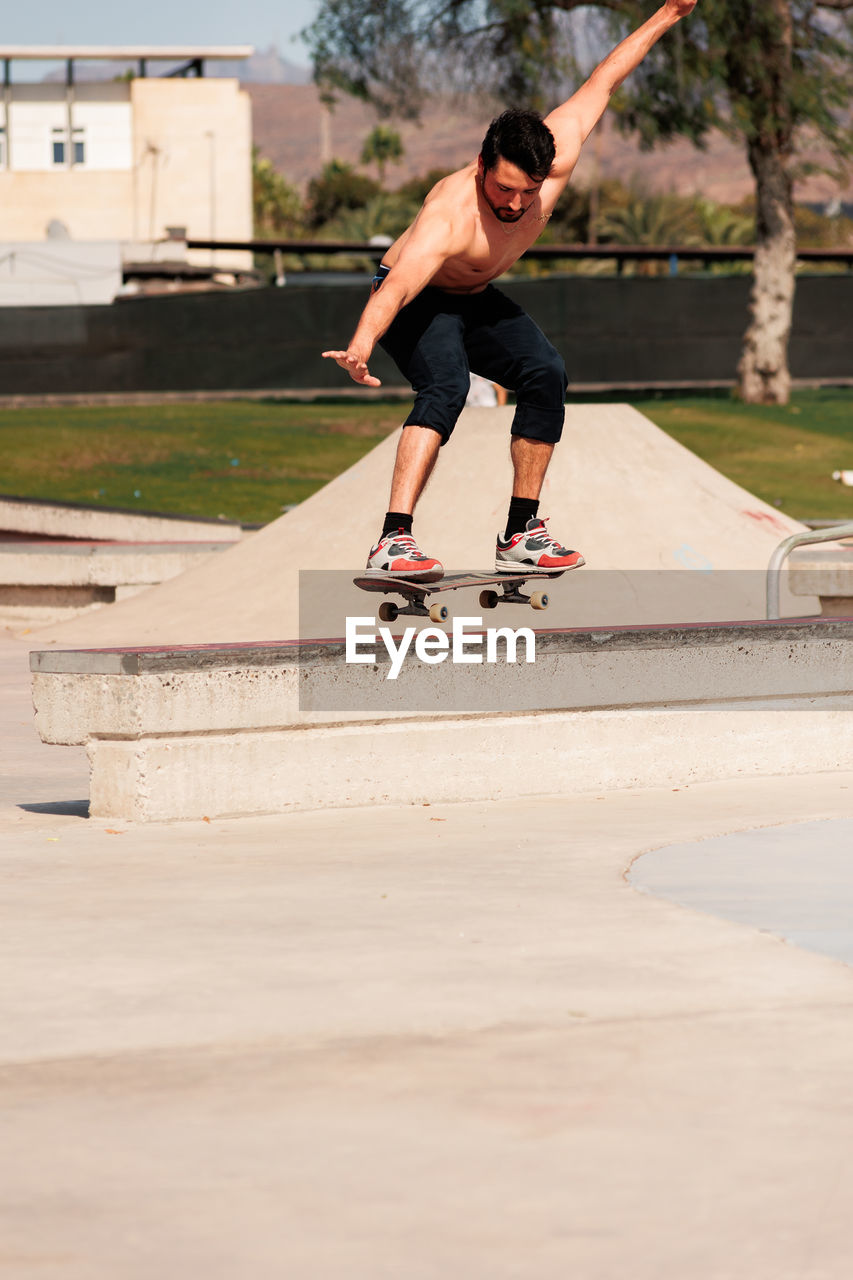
(2, 147)
(59, 144)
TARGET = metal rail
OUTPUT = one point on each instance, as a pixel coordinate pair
(780, 555)
(621, 252)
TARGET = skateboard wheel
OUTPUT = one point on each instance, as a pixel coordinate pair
(488, 599)
(438, 612)
(388, 611)
(540, 599)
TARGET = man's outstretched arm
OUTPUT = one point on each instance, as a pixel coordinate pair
(573, 122)
(428, 246)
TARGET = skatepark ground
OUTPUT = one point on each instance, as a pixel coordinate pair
(438, 1041)
(603, 1036)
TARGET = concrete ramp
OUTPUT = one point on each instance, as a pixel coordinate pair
(667, 539)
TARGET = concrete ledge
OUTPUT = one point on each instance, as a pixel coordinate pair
(826, 573)
(75, 520)
(447, 760)
(43, 582)
(102, 564)
(224, 730)
(126, 692)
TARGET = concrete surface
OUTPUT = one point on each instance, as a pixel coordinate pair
(460, 760)
(220, 732)
(30, 771)
(619, 489)
(792, 881)
(75, 520)
(827, 574)
(79, 694)
(48, 582)
(445, 1040)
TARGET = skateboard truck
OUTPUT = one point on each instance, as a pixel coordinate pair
(417, 608)
(510, 593)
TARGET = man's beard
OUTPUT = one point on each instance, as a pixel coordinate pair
(501, 212)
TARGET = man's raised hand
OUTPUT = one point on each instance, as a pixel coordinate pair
(681, 8)
(355, 367)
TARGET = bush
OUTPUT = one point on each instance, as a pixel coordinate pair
(338, 189)
(569, 223)
(416, 190)
(277, 206)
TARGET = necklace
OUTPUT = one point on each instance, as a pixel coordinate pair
(513, 227)
(537, 217)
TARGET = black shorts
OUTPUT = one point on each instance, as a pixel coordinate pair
(440, 338)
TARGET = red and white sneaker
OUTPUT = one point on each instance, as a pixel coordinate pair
(398, 554)
(534, 551)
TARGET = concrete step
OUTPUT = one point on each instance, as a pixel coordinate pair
(47, 581)
(826, 573)
(229, 730)
(111, 524)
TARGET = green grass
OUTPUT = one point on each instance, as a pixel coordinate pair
(238, 459)
(785, 455)
(246, 460)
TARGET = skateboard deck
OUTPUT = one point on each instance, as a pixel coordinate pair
(417, 593)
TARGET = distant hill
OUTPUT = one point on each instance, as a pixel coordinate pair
(266, 66)
(292, 130)
(289, 129)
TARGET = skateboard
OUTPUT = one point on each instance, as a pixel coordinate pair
(415, 593)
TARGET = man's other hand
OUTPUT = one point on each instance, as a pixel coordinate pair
(355, 367)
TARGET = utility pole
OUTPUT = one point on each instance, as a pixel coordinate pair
(211, 136)
(325, 134)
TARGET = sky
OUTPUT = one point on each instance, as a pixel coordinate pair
(257, 22)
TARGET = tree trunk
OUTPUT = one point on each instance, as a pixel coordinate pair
(763, 370)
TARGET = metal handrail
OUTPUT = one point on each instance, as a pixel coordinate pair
(830, 534)
(622, 252)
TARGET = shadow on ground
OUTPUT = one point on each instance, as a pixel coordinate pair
(62, 808)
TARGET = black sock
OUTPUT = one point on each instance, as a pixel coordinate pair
(520, 511)
(395, 520)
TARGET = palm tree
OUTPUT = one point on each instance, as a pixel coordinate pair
(721, 225)
(381, 146)
(277, 205)
(648, 220)
(384, 215)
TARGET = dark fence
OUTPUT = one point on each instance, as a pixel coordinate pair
(610, 330)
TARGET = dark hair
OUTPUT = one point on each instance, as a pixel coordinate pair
(523, 138)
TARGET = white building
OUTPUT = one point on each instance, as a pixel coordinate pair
(123, 159)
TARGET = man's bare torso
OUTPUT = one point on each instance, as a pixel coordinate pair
(484, 247)
(477, 222)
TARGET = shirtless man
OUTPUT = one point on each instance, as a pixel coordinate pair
(435, 312)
